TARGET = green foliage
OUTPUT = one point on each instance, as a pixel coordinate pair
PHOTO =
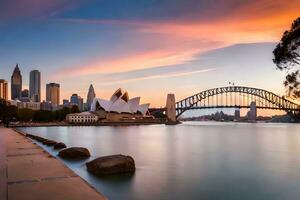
(7, 112)
(43, 116)
(287, 57)
(12, 113)
(25, 114)
(75, 109)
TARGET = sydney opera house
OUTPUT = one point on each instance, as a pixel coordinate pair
(119, 106)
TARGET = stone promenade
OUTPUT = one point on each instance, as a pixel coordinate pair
(27, 172)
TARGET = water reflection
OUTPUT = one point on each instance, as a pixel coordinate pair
(192, 160)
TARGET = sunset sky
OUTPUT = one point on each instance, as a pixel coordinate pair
(148, 47)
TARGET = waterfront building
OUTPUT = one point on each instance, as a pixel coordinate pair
(30, 105)
(45, 105)
(16, 83)
(90, 97)
(82, 118)
(120, 103)
(33, 105)
(35, 86)
(3, 89)
(53, 93)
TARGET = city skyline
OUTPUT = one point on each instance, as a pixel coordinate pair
(174, 47)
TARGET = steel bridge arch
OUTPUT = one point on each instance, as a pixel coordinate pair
(279, 103)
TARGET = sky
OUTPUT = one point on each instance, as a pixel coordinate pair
(148, 47)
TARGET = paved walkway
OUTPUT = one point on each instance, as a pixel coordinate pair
(27, 172)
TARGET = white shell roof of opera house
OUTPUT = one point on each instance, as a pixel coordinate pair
(120, 103)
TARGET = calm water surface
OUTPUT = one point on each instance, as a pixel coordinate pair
(195, 160)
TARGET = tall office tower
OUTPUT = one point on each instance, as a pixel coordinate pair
(80, 104)
(52, 93)
(3, 90)
(16, 83)
(90, 97)
(35, 86)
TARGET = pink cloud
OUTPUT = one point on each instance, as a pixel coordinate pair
(178, 42)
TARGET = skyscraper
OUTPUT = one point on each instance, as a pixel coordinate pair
(90, 97)
(3, 90)
(16, 83)
(35, 86)
(53, 93)
(77, 100)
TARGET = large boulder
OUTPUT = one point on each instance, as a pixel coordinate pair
(59, 145)
(114, 164)
(74, 152)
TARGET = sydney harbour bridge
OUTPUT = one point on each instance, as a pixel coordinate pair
(230, 97)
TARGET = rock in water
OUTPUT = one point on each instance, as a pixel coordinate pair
(59, 145)
(74, 152)
(49, 142)
(113, 164)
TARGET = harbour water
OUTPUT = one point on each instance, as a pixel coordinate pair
(193, 160)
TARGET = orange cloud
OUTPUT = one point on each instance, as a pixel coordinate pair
(148, 59)
(259, 21)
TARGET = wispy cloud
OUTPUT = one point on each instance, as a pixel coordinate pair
(138, 61)
(160, 76)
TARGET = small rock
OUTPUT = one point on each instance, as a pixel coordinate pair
(114, 164)
(74, 152)
(59, 145)
(49, 142)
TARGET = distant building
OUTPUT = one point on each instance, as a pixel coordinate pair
(77, 100)
(80, 104)
(28, 105)
(33, 105)
(35, 86)
(82, 118)
(24, 96)
(237, 115)
(16, 83)
(90, 97)
(25, 93)
(53, 93)
(65, 102)
(3, 90)
(252, 113)
(74, 99)
(45, 105)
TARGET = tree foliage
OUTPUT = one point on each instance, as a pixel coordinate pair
(7, 112)
(75, 109)
(287, 58)
(10, 113)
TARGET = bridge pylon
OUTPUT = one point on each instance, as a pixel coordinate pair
(171, 108)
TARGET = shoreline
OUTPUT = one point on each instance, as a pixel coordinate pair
(32, 173)
(19, 125)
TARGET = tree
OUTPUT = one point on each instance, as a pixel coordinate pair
(75, 109)
(25, 114)
(287, 58)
